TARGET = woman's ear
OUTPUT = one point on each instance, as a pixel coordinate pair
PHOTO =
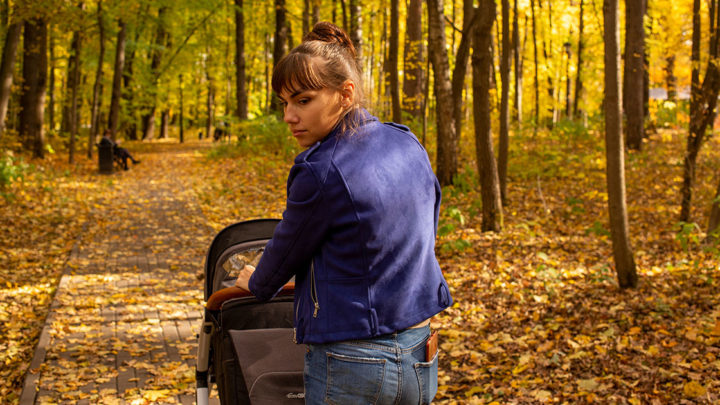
(347, 94)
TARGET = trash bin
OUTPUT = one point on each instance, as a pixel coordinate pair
(105, 157)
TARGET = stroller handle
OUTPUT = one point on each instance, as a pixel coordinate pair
(219, 297)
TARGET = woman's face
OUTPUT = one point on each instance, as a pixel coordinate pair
(311, 114)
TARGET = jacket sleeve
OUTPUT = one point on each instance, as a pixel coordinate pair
(296, 238)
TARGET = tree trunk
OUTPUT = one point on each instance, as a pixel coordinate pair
(131, 127)
(240, 92)
(306, 17)
(714, 222)
(622, 252)
(482, 60)
(535, 57)
(517, 65)
(504, 138)
(461, 63)
(633, 96)
(209, 103)
(670, 79)
(164, 122)
(702, 106)
(182, 110)
(393, 52)
(413, 64)
(356, 26)
(280, 45)
(7, 69)
(51, 80)
(315, 12)
(73, 84)
(117, 80)
(446, 165)
(578, 75)
(148, 118)
(97, 87)
(32, 100)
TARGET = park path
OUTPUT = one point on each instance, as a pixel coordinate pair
(122, 326)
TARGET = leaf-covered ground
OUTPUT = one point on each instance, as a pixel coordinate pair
(537, 317)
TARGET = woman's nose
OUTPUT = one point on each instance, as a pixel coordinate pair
(290, 116)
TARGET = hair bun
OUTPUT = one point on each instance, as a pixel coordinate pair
(328, 32)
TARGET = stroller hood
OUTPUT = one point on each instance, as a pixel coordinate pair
(237, 234)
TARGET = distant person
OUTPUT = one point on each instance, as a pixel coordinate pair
(119, 153)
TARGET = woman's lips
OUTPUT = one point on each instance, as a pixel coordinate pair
(298, 132)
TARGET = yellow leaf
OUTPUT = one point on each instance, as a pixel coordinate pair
(472, 391)
(154, 395)
(587, 385)
(694, 389)
(542, 395)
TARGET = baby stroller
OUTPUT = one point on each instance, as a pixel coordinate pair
(245, 346)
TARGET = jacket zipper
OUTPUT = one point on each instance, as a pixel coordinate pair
(313, 297)
(313, 291)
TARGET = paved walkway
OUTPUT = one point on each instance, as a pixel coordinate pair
(123, 323)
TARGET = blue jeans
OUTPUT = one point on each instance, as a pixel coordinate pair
(389, 369)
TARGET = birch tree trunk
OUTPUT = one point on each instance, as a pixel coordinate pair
(622, 252)
(492, 219)
(356, 26)
(446, 165)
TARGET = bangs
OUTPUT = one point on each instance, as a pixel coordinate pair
(298, 72)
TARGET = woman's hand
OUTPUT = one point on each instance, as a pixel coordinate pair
(244, 277)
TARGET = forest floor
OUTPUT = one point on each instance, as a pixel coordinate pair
(538, 316)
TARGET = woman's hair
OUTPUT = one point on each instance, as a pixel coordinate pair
(325, 59)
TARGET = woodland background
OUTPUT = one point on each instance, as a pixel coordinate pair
(574, 139)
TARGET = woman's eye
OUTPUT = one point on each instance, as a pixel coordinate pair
(303, 101)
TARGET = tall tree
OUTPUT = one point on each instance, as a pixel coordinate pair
(702, 107)
(446, 165)
(240, 92)
(578, 74)
(470, 18)
(160, 42)
(114, 113)
(518, 64)
(713, 230)
(32, 99)
(492, 219)
(413, 62)
(633, 94)
(356, 26)
(622, 252)
(97, 86)
(7, 68)
(73, 82)
(393, 51)
(504, 138)
(535, 57)
(281, 35)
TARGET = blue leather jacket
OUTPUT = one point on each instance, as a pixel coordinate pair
(358, 234)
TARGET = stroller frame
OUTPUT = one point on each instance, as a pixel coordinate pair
(223, 334)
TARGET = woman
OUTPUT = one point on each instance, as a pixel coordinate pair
(358, 234)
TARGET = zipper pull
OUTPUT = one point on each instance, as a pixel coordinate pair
(295, 335)
(317, 308)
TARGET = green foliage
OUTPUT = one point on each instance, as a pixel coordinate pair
(597, 229)
(571, 131)
(11, 169)
(688, 234)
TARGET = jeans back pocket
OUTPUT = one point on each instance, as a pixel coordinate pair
(427, 375)
(354, 380)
